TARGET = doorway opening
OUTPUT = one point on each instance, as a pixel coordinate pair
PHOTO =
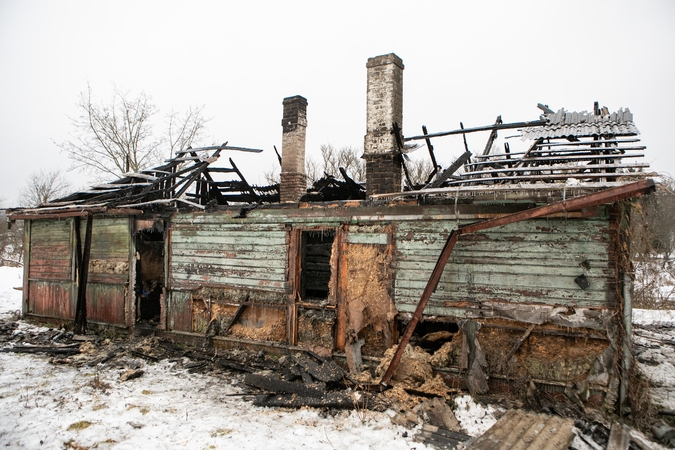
(149, 272)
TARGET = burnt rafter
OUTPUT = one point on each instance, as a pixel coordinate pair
(596, 149)
(189, 179)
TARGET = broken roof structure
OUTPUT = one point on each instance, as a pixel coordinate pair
(513, 255)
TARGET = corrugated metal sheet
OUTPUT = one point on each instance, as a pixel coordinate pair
(526, 262)
(526, 431)
(51, 250)
(569, 123)
(215, 250)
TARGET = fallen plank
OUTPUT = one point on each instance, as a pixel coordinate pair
(331, 400)
(53, 350)
(102, 360)
(280, 386)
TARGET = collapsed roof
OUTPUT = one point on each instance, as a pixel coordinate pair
(581, 149)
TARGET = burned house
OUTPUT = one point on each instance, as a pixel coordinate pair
(520, 258)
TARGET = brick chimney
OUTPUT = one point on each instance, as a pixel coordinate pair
(384, 106)
(293, 178)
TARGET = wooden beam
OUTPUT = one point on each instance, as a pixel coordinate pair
(504, 126)
(83, 275)
(447, 173)
(516, 346)
(431, 155)
(493, 137)
(426, 295)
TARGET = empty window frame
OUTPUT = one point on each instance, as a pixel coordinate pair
(316, 249)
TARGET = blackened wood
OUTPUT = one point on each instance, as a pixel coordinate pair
(81, 305)
(399, 145)
(464, 157)
(493, 137)
(280, 386)
(278, 155)
(505, 126)
(54, 350)
(431, 155)
(219, 195)
(331, 400)
(248, 186)
(235, 318)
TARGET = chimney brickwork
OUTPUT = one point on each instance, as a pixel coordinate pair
(384, 107)
(294, 123)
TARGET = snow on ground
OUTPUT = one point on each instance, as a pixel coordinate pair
(50, 406)
(165, 408)
(660, 317)
(475, 418)
(654, 343)
(59, 406)
(10, 298)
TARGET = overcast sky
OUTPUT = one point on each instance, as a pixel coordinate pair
(464, 61)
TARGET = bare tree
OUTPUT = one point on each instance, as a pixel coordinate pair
(42, 187)
(117, 138)
(312, 170)
(272, 176)
(652, 235)
(419, 170)
(11, 240)
(185, 129)
(347, 157)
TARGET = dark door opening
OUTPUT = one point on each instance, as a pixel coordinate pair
(149, 273)
(317, 247)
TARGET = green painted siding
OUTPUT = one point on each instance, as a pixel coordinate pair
(526, 262)
(534, 261)
(214, 249)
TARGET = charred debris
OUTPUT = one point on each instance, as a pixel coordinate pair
(509, 267)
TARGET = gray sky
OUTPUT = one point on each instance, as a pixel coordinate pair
(465, 61)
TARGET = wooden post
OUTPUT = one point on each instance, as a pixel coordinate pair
(83, 275)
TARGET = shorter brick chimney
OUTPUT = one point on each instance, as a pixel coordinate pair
(293, 178)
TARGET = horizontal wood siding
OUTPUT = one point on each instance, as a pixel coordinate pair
(110, 244)
(51, 250)
(527, 262)
(217, 250)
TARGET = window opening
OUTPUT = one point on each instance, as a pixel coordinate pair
(317, 246)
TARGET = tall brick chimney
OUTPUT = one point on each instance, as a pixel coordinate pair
(384, 107)
(293, 178)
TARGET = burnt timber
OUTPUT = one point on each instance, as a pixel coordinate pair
(493, 245)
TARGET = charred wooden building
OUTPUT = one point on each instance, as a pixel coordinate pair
(524, 253)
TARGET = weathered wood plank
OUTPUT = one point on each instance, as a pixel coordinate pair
(453, 280)
(184, 280)
(413, 269)
(262, 273)
(251, 261)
